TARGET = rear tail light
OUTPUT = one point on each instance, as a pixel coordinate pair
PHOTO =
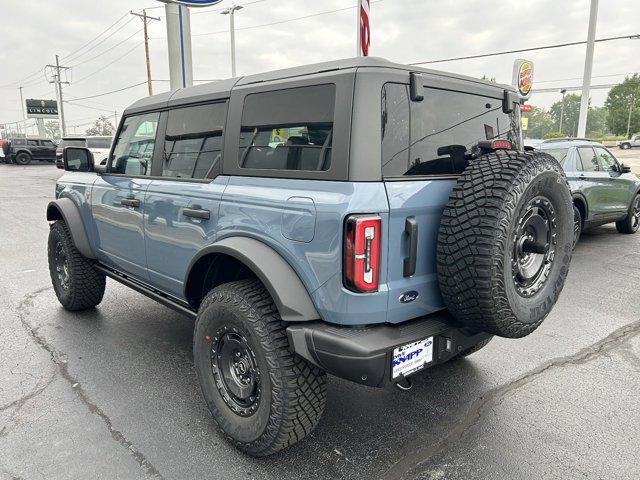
(501, 145)
(362, 253)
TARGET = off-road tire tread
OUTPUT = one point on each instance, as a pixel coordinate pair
(298, 387)
(473, 235)
(87, 285)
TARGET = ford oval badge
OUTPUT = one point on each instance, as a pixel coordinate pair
(408, 297)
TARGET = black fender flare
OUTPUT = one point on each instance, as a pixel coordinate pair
(283, 283)
(583, 199)
(66, 209)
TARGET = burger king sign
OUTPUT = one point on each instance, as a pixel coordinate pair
(523, 77)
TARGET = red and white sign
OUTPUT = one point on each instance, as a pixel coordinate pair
(364, 32)
(525, 108)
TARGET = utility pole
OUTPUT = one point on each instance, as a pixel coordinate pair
(115, 119)
(230, 11)
(633, 101)
(588, 67)
(57, 79)
(22, 103)
(563, 92)
(145, 17)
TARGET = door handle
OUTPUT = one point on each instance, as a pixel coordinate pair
(130, 202)
(196, 213)
(582, 177)
(411, 229)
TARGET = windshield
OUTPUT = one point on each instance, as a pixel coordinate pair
(437, 135)
(99, 142)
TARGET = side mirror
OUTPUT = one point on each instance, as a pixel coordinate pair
(77, 159)
(416, 87)
(624, 168)
(509, 99)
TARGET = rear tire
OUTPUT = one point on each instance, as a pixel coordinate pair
(577, 224)
(632, 222)
(263, 396)
(78, 285)
(23, 158)
(505, 242)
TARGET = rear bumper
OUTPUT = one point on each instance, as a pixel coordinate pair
(364, 354)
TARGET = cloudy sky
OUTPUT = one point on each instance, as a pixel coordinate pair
(34, 31)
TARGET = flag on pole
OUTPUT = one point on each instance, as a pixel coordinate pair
(364, 36)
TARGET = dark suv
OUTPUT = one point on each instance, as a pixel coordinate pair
(359, 218)
(603, 190)
(23, 150)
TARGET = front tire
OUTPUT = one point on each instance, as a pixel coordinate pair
(78, 285)
(505, 242)
(23, 158)
(262, 396)
(632, 222)
(625, 146)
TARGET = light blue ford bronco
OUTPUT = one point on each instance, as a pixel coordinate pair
(359, 218)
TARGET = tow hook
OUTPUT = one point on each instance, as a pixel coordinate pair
(404, 384)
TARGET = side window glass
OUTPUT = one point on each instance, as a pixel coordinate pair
(193, 141)
(395, 130)
(605, 160)
(32, 143)
(288, 129)
(588, 158)
(133, 153)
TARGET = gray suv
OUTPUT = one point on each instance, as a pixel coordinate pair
(359, 218)
(603, 190)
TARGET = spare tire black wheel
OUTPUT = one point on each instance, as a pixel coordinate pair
(505, 242)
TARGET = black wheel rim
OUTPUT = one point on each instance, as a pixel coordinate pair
(635, 214)
(577, 225)
(534, 246)
(62, 266)
(235, 370)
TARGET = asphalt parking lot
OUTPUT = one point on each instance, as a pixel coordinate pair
(112, 393)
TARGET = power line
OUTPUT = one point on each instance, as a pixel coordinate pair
(68, 102)
(67, 57)
(507, 52)
(576, 88)
(580, 78)
(109, 93)
(108, 64)
(108, 49)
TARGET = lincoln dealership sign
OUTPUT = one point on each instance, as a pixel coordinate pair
(41, 108)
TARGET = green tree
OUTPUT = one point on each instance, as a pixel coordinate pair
(570, 117)
(619, 101)
(540, 122)
(102, 126)
(52, 128)
(597, 122)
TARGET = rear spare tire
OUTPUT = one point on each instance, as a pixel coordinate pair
(505, 242)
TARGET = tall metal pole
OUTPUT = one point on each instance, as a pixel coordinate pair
(22, 103)
(563, 92)
(588, 67)
(179, 45)
(63, 127)
(145, 19)
(358, 34)
(633, 101)
(232, 29)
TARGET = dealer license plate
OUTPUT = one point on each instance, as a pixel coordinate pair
(411, 357)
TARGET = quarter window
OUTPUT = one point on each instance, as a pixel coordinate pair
(193, 141)
(288, 129)
(588, 158)
(133, 153)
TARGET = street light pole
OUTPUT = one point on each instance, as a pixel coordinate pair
(563, 92)
(633, 101)
(588, 67)
(230, 11)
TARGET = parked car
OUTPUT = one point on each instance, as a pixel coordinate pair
(631, 143)
(99, 146)
(23, 150)
(356, 217)
(603, 190)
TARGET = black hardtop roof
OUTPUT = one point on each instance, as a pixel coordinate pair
(223, 88)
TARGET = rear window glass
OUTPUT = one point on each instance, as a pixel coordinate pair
(559, 154)
(99, 142)
(72, 143)
(445, 128)
(288, 129)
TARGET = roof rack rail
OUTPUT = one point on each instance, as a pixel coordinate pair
(567, 139)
